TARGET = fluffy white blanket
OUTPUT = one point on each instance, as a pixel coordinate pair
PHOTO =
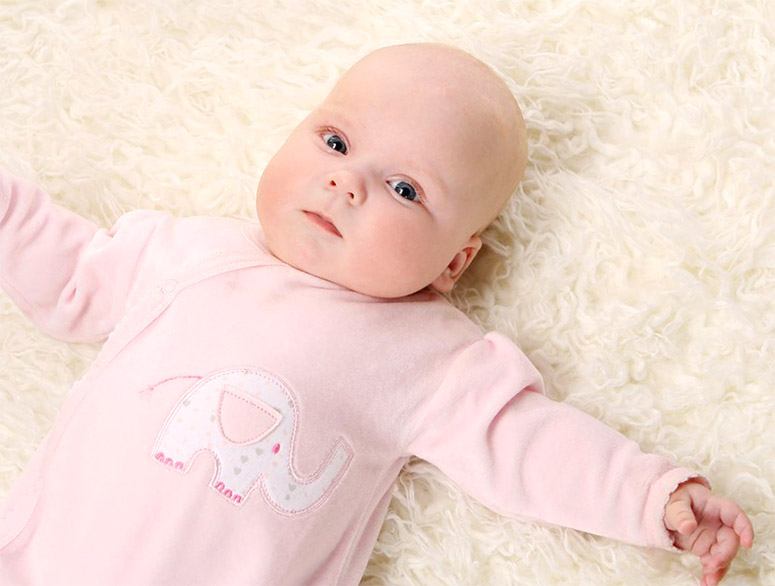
(635, 266)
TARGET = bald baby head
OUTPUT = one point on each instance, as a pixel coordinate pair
(473, 94)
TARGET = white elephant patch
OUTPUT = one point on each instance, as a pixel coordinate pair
(247, 418)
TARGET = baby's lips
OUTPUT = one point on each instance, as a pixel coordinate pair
(325, 219)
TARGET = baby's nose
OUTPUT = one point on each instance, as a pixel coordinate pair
(348, 183)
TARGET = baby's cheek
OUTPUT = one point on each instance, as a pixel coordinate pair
(393, 267)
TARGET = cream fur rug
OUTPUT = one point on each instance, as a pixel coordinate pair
(635, 267)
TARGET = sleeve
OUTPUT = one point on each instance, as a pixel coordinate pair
(71, 278)
(490, 429)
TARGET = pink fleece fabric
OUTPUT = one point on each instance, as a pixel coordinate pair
(245, 421)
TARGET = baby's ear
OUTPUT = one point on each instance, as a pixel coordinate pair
(457, 266)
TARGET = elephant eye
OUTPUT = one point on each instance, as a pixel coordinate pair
(245, 418)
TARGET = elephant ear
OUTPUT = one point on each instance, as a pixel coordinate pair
(245, 419)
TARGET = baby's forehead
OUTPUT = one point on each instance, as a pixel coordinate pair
(441, 109)
(449, 122)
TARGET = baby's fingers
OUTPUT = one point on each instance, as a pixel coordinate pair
(733, 516)
(716, 562)
(679, 516)
(713, 578)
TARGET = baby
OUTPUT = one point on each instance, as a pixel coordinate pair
(262, 384)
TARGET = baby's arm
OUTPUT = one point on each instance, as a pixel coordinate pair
(70, 277)
(543, 460)
(491, 430)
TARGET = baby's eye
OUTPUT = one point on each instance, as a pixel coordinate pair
(335, 140)
(405, 189)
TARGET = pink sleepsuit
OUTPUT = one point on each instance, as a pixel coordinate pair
(245, 421)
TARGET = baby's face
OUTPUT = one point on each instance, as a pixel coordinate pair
(402, 172)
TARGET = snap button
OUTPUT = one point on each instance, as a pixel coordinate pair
(168, 285)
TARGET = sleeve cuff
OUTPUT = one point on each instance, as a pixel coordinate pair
(656, 502)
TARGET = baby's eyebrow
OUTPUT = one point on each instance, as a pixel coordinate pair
(336, 113)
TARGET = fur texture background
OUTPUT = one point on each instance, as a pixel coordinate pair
(635, 265)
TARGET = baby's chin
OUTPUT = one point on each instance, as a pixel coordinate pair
(391, 290)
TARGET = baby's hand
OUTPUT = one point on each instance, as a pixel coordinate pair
(709, 526)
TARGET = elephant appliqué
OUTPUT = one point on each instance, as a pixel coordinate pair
(247, 418)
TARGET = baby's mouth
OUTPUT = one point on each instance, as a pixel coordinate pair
(323, 222)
